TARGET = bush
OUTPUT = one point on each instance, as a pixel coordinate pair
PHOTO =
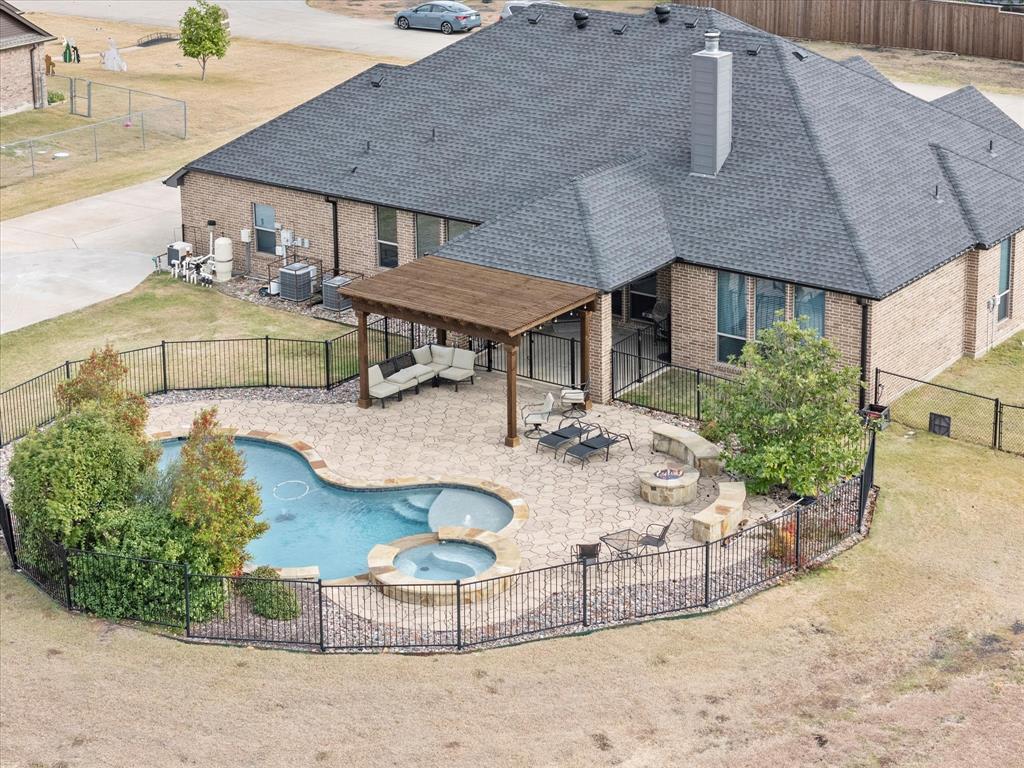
(791, 412)
(54, 97)
(74, 482)
(267, 596)
(213, 499)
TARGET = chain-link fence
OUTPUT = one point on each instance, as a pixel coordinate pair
(116, 122)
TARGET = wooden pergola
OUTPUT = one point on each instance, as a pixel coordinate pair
(483, 302)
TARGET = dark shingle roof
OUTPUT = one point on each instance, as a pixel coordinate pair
(572, 148)
(970, 104)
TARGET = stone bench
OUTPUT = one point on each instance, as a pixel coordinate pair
(689, 447)
(722, 516)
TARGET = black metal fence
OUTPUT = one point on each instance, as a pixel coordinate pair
(357, 615)
(951, 412)
(543, 357)
(661, 386)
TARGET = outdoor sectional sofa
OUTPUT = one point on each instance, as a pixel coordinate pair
(427, 363)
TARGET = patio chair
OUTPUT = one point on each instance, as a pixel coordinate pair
(574, 400)
(588, 554)
(408, 374)
(535, 415)
(630, 543)
(380, 389)
(463, 367)
(591, 443)
(659, 316)
(569, 430)
(401, 378)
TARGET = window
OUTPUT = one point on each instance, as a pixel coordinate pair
(1003, 311)
(387, 236)
(266, 234)
(643, 295)
(769, 300)
(428, 234)
(809, 308)
(732, 315)
(456, 228)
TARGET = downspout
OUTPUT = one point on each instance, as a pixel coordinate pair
(862, 398)
(32, 74)
(334, 233)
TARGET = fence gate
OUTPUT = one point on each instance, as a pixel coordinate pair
(80, 98)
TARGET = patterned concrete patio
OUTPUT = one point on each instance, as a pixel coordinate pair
(441, 432)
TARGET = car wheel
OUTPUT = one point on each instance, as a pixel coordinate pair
(446, 28)
(403, 23)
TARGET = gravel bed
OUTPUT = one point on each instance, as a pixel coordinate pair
(347, 392)
(248, 289)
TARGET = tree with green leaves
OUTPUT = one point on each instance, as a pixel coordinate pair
(212, 497)
(790, 413)
(204, 33)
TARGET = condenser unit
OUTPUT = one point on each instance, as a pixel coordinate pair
(296, 281)
(333, 299)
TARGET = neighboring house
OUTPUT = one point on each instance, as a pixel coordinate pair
(627, 154)
(22, 71)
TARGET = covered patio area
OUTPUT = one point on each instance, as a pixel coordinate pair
(471, 301)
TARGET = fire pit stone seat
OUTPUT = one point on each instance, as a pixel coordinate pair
(668, 485)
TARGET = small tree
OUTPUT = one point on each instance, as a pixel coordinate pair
(204, 33)
(212, 497)
(790, 412)
(101, 381)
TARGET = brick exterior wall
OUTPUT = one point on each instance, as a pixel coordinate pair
(16, 92)
(982, 329)
(600, 349)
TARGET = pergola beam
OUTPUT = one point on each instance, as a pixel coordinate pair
(439, 322)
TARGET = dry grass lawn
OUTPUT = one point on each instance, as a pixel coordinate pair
(253, 83)
(907, 650)
(159, 308)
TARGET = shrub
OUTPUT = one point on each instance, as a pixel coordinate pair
(54, 97)
(267, 596)
(782, 542)
(791, 412)
(74, 482)
(213, 499)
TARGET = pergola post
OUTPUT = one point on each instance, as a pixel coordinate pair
(511, 411)
(585, 352)
(363, 352)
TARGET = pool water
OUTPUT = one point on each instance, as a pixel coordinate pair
(314, 523)
(445, 560)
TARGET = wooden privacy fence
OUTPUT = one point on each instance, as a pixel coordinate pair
(932, 25)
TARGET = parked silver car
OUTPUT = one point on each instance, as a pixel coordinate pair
(518, 6)
(445, 16)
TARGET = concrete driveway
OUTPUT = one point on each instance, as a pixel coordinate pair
(282, 21)
(73, 255)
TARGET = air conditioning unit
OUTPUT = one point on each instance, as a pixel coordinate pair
(177, 251)
(333, 299)
(296, 281)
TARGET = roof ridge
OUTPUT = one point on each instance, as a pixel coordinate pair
(971, 160)
(826, 171)
(944, 99)
(586, 219)
(966, 214)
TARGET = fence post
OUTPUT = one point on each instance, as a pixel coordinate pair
(88, 99)
(327, 364)
(387, 340)
(572, 362)
(458, 613)
(876, 400)
(266, 361)
(586, 618)
(529, 360)
(67, 576)
(184, 119)
(707, 574)
(188, 605)
(490, 355)
(95, 145)
(142, 126)
(7, 524)
(996, 410)
(163, 363)
(320, 610)
(698, 395)
(797, 545)
(639, 359)
(67, 369)
(32, 156)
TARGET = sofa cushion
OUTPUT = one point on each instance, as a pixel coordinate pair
(456, 374)
(441, 355)
(384, 389)
(402, 376)
(422, 354)
(463, 358)
(374, 375)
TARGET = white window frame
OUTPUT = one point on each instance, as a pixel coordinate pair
(380, 242)
(272, 229)
(1003, 298)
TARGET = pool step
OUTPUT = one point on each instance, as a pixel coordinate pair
(410, 511)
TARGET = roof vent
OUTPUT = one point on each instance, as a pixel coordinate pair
(689, 23)
(754, 51)
(935, 194)
(992, 147)
(367, 145)
(581, 18)
(620, 30)
(377, 79)
(662, 12)
(534, 17)
(353, 169)
(800, 55)
(433, 134)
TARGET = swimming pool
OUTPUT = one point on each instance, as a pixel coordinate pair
(315, 523)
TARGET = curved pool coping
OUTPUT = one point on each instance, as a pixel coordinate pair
(399, 585)
(520, 509)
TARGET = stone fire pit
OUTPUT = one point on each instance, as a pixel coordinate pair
(668, 485)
